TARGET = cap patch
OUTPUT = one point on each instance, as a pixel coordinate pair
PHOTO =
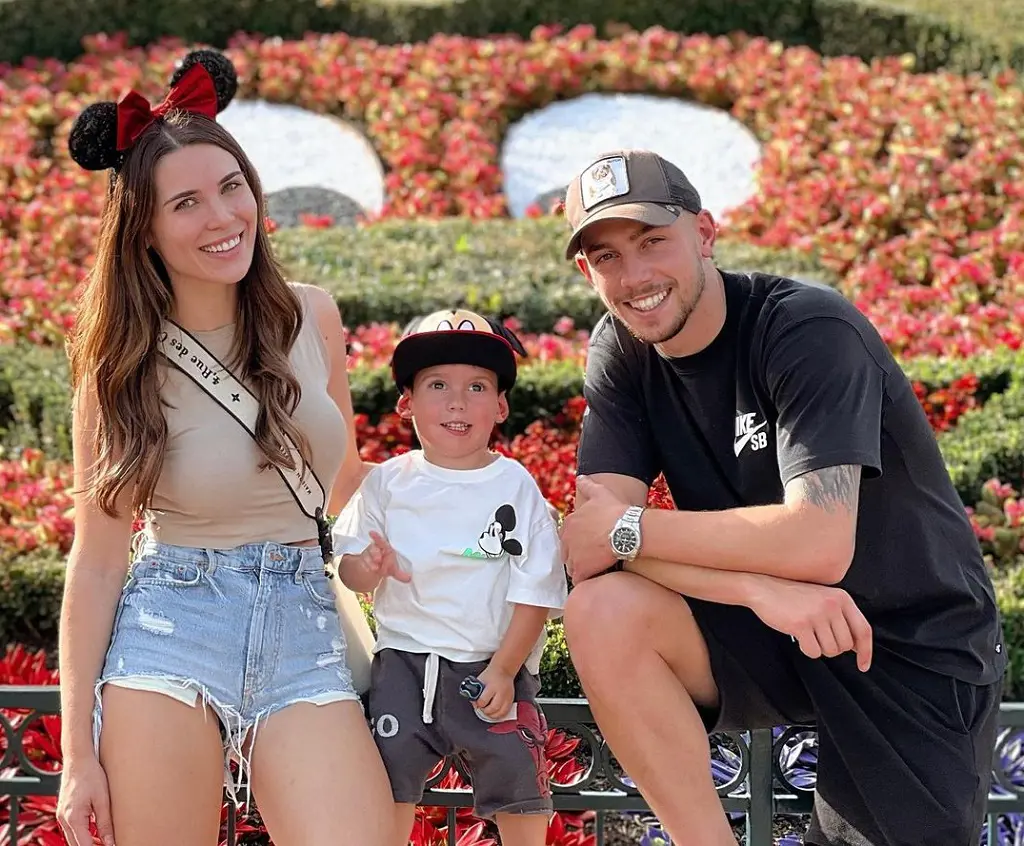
(604, 179)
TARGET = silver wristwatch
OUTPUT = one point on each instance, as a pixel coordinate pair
(625, 536)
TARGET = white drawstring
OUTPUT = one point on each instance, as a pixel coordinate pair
(429, 687)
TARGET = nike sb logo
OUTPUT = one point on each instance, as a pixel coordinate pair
(747, 432)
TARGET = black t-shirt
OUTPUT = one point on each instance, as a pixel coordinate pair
(797, 380)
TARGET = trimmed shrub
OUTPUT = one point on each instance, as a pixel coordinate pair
(35, 400)
(398, 269)
(834, 27)
(983, 442)
(978, 41)
(1009, 586)
(31, 589)
(988, 442)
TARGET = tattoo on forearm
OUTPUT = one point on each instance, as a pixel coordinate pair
(831, 489)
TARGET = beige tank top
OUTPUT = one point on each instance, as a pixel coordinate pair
(211, 492)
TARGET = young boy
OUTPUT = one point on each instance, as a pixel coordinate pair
(462, 555)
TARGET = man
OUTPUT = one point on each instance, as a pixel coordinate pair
(820, 567)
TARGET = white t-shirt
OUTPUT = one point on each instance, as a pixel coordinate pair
(474, 541)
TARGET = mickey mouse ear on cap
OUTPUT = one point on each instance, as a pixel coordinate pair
(220, 69)
(456, 336)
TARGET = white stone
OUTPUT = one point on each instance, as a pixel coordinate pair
(545, 149)
(292, 147)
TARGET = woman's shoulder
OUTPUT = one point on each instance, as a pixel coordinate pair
(318, 302)
(321, 320)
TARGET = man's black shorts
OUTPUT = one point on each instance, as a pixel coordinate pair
(904, 753)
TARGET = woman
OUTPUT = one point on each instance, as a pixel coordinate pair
(224, 643)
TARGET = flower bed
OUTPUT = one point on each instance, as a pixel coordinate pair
(918, 208)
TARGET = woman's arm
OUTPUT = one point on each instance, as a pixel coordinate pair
(93, 582)
(333, 332)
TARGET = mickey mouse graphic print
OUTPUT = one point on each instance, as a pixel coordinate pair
(496, 539)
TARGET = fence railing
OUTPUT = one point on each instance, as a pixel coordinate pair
(759, 774)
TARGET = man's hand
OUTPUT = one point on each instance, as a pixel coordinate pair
(823, 620)
(586, 548)
(498, 692)
(362, 572)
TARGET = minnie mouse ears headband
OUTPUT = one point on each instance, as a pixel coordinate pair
(204, 83)
(456, 336)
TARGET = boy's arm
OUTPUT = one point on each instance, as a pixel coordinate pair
(524, 629)
(537, 588)
(499, 676)
(351, 534)
(537, 591)
(355, 575)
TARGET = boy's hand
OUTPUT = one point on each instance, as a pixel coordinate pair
(375, 563)
(380, 559)
(499, 691)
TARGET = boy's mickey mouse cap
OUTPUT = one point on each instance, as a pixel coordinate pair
(456, 336)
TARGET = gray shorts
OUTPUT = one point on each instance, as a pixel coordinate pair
(415, 725)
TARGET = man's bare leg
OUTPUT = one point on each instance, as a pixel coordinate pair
(642, 662)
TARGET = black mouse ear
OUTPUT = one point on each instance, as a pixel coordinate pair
(221, 71)
(512, 547)
(508, 335)
(506, 516)
(92, 142)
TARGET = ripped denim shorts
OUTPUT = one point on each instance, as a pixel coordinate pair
(246, 631)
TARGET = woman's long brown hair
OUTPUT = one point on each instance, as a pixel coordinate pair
(113, 348)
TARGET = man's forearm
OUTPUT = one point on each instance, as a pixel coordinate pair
(724, 587)
(773, 540)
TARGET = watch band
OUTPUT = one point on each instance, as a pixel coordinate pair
(633, 514)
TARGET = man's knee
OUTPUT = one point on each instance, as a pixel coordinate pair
(596, 603)
(621, 616)
(615, 605)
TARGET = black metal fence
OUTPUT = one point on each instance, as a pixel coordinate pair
(759, 774)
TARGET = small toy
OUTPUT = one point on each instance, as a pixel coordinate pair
(471, 687)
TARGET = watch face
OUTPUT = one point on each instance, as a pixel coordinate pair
(624, 540)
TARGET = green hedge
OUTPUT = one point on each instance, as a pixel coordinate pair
(35, 406)
(396, 270)
(35, 400)
(859, 27)
(31, 588)
(989, 441)
(35, 397)
(1009, 586)
(939, 33)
